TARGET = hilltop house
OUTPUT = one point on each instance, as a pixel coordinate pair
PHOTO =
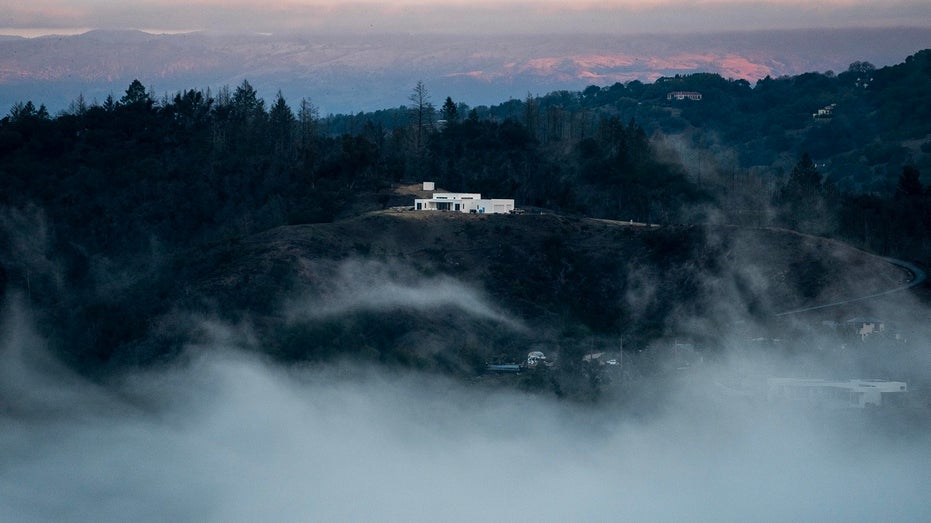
(684, 95)
(462, 202)
(825, 112)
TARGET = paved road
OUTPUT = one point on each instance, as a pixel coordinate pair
(918, 277)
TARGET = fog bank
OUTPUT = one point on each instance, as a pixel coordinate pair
(224, 435)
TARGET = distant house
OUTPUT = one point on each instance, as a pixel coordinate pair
(865, 327)
(463, 202)
(684, 95)
(831, 393)
(534, 358)
(825, 112)
(603, 358)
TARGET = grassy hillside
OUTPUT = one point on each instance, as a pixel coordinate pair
(137, 226)
(453, 291)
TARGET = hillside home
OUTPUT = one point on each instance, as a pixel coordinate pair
(463, 202)
(535, 358)
(832, 393)
(825, 112)
(684, 95)
(865, 327)
(603, 358)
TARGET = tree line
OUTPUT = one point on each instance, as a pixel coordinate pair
(108, 187)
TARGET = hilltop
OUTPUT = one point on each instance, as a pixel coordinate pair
(450, 291)
(137, 226)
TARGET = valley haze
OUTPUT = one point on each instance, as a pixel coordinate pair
(222, 433)
(349, 73)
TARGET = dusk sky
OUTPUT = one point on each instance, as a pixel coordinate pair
(455, 16)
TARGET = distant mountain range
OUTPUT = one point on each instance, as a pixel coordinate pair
(342, 74)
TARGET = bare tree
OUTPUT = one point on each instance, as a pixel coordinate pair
(532, 114)
(307, 117)
(78, 106)
(421, 114)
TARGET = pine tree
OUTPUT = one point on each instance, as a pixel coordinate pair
(909, 184)
(136, 96)
(282, 122)
(802, 198)
(449, 111)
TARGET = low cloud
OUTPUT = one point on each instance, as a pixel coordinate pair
(226, 435)
(365, 286)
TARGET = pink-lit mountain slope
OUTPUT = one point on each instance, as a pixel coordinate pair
(348, 74)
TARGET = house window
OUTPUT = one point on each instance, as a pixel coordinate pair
(457, 206)
(419, 206)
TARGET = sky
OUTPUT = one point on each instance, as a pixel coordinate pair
(454, 16)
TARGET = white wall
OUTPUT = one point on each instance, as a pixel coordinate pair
(470, 203)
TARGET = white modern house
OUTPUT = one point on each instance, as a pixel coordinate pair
(462, 202)
(684, 95)
(825, 112)
(832, 393)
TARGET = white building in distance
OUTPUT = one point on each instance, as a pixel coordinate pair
(684, 95)
(832, 393)
(463, 202)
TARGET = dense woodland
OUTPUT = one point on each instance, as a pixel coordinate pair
(118, 187)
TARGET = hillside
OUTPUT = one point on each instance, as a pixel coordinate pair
(474, 247)
(137, 227)
(449, 291)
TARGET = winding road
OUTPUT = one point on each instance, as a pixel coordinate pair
(918, 277)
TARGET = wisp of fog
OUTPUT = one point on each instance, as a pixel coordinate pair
(226, 435)
(359, 285)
